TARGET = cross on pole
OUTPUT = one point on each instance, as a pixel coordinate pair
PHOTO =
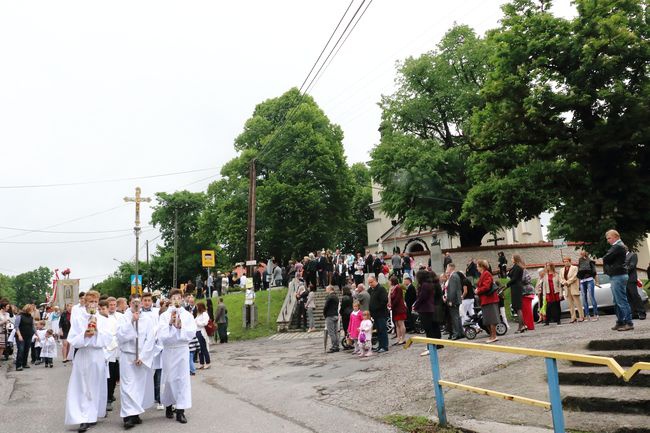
(136, 229)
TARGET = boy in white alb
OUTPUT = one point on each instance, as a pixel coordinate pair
(39, 339)
(86, 396)
(48, 348)
(176, 328)
(135, 333)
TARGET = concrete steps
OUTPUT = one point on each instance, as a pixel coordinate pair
(595, 389)
(319, 320)
(611, 400)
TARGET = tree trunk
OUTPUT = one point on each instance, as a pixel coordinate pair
(471, 236)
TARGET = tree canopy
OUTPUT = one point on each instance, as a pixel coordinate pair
(304, 186)
(565, 121)
(421, 161)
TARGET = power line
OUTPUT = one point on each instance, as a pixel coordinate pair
(313, 83)
(65, 232)
(92, 182)
(77, 241)
(68, 221)
(266, 148)
(325, 47)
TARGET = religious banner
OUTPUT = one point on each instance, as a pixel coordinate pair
(67, 292)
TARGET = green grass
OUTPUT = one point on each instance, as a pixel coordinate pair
(235, 302)
(417, 424)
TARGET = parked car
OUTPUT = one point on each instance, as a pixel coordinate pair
(603, 293)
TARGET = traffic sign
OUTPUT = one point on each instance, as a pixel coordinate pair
(136, 288)
(207, 258)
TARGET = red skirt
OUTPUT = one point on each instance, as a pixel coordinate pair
(397, 317)
(527, 311)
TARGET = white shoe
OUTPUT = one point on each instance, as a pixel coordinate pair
(160, 407)
(425, 353)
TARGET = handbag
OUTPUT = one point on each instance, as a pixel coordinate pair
(210, 328)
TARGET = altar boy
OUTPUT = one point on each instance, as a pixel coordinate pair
(87, 388)
(135, 333)
(176, 328)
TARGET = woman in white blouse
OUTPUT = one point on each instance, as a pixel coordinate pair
(202, 320)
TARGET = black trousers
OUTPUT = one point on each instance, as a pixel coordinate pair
(431, 327)
(204, 355)
(636, 304)
(36, 352)
(222, 330)
(553, 310)
(113, 378)
(302, 315)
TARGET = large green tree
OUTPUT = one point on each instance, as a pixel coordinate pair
(31, 286)
(303, 181)
(7, 290)
(353, 236)
(565, 122)
(183, 208)
(421, 161)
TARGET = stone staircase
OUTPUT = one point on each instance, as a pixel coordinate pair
(596, 390)
(319, 320)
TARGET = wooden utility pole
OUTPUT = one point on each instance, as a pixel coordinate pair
(137, 199)
(252, 201)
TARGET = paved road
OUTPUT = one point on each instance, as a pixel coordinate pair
(287, 384)
(225, 399)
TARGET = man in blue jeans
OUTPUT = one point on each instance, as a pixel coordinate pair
(614, 264)
(379, 312)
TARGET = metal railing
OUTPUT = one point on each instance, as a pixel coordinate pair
(288, 306)
(550, 357)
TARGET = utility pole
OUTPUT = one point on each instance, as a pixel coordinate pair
(252, 201)
(175, 248)
(136, 229)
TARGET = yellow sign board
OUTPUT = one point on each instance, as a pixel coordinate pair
(208, 258)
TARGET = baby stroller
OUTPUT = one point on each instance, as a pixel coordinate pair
(475, 324)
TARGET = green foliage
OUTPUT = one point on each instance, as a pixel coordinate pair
(353, 236)
(417, 424)
(188, 206)
(564, 125)
(7, 290)
(421, 161)
(303, 182)
(30, 287)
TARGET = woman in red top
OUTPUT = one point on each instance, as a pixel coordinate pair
(489, 301)
(398, 307)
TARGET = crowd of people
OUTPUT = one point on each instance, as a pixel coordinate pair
(150, 346)
(381, 287)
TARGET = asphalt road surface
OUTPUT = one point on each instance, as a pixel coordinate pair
(224, 399)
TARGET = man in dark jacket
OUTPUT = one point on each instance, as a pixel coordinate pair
(636, 304)
(331, 314)
(454, 299)
(379, 312)
(614, 264)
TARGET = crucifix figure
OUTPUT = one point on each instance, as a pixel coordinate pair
(137, 199)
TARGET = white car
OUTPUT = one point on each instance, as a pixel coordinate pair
(602, 291)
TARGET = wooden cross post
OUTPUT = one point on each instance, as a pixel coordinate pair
(137, 199)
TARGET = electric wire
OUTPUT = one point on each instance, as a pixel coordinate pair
(75, 241)
(93, 182)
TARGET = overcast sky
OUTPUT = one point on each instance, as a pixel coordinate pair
(104, 90)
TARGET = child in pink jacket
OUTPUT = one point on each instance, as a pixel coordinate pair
(356, 317)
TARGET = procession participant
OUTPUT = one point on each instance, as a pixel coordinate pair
(87, 390)
(135, 334)
(76, 308)
(112, 351)
(176, 329)
(153, 313)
